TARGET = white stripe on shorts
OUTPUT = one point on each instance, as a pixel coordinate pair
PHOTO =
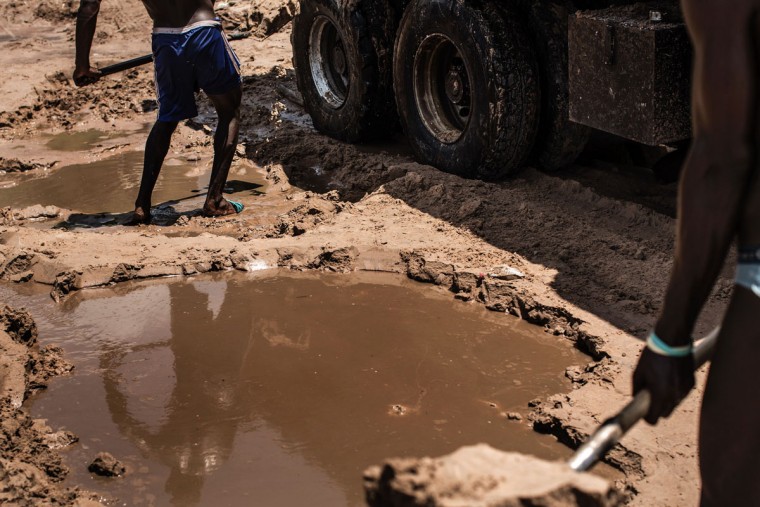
(185, 29)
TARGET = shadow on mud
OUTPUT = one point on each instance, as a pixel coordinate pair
(605, 225)
(163, 215)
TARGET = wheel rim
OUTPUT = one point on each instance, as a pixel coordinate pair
(328, 62)
(442, 88)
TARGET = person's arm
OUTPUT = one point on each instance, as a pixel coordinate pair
(710, 201)
(87, 18)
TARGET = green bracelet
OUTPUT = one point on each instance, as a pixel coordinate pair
(658, 346)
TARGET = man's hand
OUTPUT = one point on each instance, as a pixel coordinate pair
(668, 379)
(85, 76)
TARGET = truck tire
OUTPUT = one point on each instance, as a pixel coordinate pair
(559, 140)
(467, 90)
(343, 59)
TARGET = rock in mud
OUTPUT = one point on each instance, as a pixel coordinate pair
(106, 465)
(480, 476)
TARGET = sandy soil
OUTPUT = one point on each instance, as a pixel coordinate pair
(592, 244)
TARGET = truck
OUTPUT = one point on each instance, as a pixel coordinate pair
(482, 88)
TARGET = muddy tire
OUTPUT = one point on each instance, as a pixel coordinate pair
(559, 140)
(467, 91)
(343, 59)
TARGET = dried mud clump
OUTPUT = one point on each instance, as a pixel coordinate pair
(106, 465)
(59, 101)
(19, 325)
(481, 476)
(30, 469)
(14, 165)
(56, 10)
(262, 17)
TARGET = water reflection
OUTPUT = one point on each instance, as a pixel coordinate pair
(279, 391)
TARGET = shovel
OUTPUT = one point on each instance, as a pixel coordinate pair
(613, 429)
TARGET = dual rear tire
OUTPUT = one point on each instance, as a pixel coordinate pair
(343, 66)
(464, 75)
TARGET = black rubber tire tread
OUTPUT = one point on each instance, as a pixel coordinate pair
(505, 90)
(368, 34)
(559, 140)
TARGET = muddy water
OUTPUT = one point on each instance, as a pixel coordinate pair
(279, 389)
(81, 140)
(110, 185)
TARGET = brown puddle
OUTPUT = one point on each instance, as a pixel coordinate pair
(82, 140)
(110, 185)
(280, 388)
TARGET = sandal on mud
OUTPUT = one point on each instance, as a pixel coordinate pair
(237, 205)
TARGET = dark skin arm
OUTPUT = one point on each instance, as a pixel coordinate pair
(87, 18)
(713, 190)
(709, 205)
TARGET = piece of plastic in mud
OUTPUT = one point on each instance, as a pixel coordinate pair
(506, 273)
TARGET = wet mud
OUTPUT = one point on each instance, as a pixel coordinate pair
(279, 389)
(111, 185)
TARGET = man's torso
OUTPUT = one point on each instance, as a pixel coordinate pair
(179, 13)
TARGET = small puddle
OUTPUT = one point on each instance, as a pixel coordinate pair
(110, 185)
(81, 141)
(280, 388)
(308, 174)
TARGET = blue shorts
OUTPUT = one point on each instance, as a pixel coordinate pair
(188, 59)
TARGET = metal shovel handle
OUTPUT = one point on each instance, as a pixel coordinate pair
(613, 429)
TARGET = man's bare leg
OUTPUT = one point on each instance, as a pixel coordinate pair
(729, 444)
(156, 148)
(225, 142)
(725, 127)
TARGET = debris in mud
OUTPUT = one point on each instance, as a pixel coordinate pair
(14, 165)
(483, 476)
(106, 465)
(398, 410)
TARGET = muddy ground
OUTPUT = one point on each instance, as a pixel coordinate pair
(592, 243)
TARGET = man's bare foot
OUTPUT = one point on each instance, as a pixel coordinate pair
(222, 208)
(140, 216)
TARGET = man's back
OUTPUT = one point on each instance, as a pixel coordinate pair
(179, 13)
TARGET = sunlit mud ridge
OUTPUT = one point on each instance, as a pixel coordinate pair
(481, 475)
(30, 466)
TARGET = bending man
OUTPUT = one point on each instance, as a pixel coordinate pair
(719, 199)
(190, 51)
